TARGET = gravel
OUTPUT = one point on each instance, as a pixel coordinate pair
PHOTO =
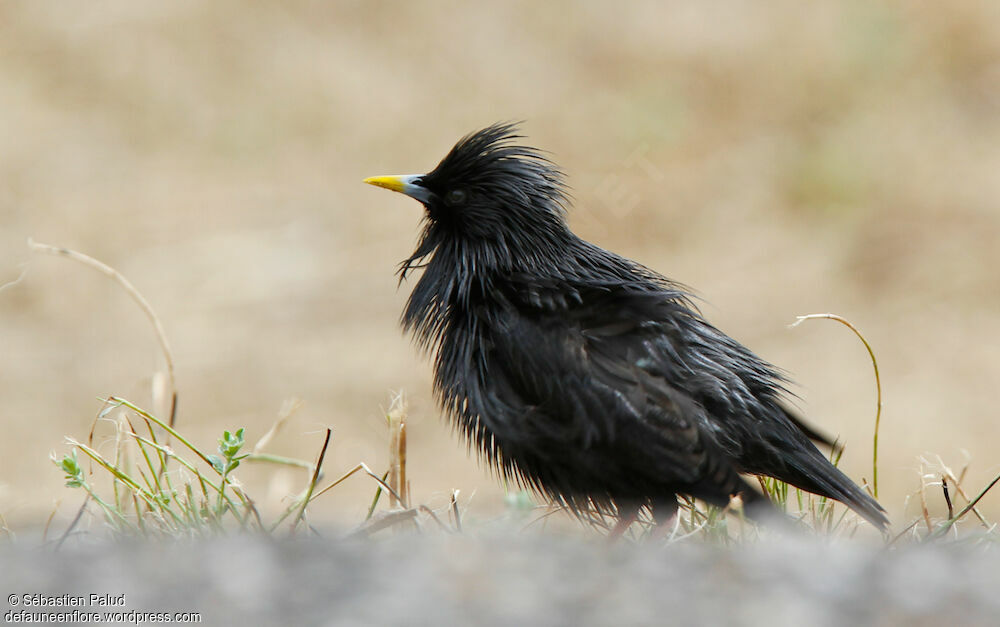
(507, 580)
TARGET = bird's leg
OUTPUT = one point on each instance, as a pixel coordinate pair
(665, 516)
(626, 516)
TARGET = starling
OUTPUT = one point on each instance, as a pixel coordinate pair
(582, 374)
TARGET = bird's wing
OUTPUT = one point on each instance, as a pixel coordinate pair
(658, 342)
(584, 367)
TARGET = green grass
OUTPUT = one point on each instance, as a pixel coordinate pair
(161, 489)
(158, 483)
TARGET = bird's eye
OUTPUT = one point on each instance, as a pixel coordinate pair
(455, 197)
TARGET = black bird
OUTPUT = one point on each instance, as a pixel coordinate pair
(585, 375)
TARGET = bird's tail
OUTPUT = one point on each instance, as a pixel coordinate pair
(804, 467)
(814, 473)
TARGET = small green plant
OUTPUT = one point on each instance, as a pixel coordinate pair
(229, 448)
(149, 496)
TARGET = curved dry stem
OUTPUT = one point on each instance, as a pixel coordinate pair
(24, 272)
(878, 385)
(105, 269)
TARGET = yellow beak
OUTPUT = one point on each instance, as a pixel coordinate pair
(404, 184)
(395, 183)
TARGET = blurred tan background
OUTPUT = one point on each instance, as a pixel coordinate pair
(780, 160)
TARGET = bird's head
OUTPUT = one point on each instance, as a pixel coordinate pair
(490, 200)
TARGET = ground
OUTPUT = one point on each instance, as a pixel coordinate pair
(503, 579)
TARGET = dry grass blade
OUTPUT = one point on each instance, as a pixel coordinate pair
(454, 511)
(957, 481)
(396, 418)
(902, 533)
(924, 511)
(104, 268)
(434, 517)
(361, 467)
(45, 529)
(384, 521)
(288, 409)
(24, 272)
(550, 510)
(74, 523)
(947, 497)
(312, 482)
(948, 524)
